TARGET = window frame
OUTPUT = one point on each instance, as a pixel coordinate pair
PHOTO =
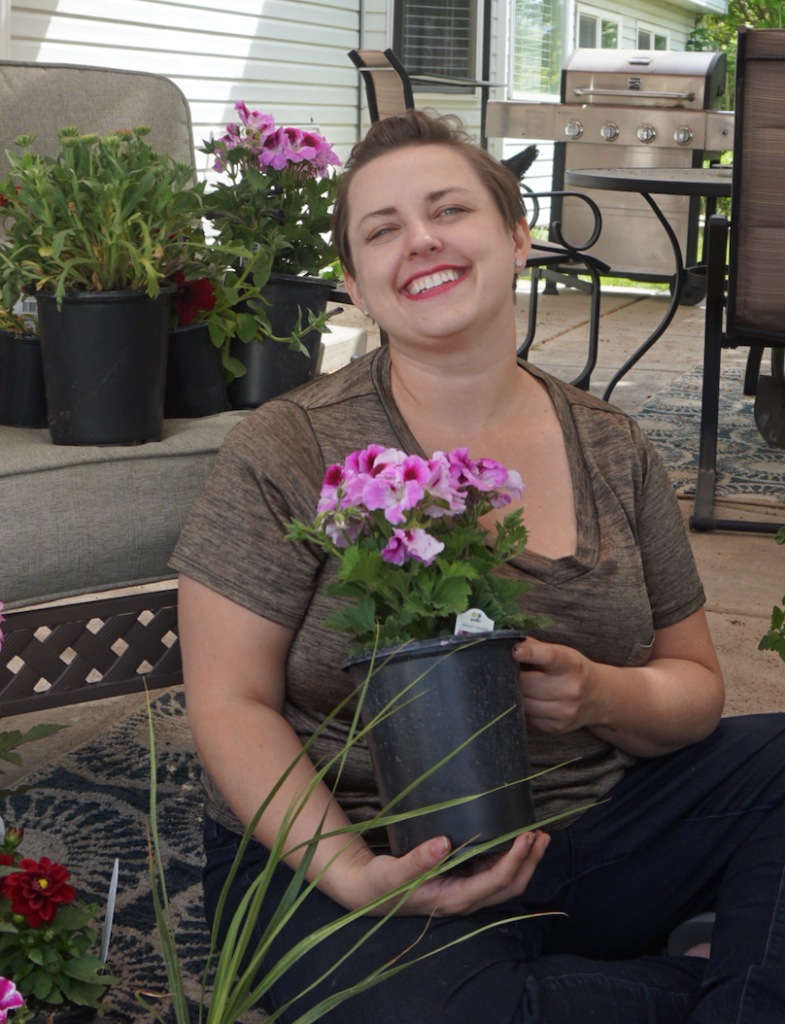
(600, 16)
(654, 32)
(399, 11)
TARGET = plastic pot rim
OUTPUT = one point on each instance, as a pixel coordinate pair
(124, 295)
(433, 645)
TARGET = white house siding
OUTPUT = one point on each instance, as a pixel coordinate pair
(285, 57)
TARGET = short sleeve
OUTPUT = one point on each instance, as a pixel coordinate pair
(268, 471)
(672, 581)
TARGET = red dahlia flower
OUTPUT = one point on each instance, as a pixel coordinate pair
(192, 297)
(37, 890)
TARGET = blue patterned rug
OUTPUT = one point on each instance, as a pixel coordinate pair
(746, 466)
(93, 806)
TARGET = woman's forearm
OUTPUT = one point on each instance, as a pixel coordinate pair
(655, 709)
(674, 700)
(247, 747)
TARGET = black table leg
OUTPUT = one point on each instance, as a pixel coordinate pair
(675, 300)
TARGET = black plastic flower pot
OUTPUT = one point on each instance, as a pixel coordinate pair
(22, 394)
(195, 384)
(104, 357)
(272, 367)
(456, 687)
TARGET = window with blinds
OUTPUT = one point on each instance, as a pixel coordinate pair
(437, 37)
(537, 47)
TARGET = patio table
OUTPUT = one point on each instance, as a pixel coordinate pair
(712, 182)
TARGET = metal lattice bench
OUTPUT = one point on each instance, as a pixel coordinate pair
(79, 523)
(86, 651)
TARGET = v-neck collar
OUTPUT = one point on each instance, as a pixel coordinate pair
(549, 570)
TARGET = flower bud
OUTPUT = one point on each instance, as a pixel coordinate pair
(13, 838)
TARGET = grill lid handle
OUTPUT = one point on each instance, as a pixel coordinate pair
(649, 95)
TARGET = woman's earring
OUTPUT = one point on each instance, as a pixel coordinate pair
(366, 312)
(519, 263)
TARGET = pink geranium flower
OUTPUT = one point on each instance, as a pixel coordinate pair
(406, 544)
(330, 494)
(443, 488)
(10, 999)
(264, 123)
(397, 488)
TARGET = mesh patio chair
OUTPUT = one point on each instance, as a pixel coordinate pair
(86, 521)
(389, 92)
(748, 287)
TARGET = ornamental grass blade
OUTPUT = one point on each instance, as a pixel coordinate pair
(163, 915)
(237, 988)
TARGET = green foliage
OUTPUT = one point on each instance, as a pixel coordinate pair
(105, 214)
(51, 964)
(774, 640)
(718, 32)
(287, 210)
(397, 604)
(9, 741)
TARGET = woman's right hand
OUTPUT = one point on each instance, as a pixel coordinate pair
(501, 878)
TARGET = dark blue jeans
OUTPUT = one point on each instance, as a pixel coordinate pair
(680, 833)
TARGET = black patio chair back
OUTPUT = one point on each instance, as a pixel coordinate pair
(748, 287)
(389, 94)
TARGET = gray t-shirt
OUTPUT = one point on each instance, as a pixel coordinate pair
(633, 571)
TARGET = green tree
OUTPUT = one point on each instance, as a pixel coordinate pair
(719, 31)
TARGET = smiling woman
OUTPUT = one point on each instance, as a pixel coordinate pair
(669, 809)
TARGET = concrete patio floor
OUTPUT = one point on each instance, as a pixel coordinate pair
(744, 575)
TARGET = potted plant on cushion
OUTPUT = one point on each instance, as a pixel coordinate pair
(22, 395)
(97, 233)
(279, 186)
(415, 558)
(215, 308)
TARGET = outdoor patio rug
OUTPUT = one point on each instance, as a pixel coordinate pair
(747, 468)
(92, 806)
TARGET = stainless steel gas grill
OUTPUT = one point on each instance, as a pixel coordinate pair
(628, 108)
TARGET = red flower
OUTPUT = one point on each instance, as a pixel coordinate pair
(37, 890)
(192, 297)
(6, 859)
(4, 201)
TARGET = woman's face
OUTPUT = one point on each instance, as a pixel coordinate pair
(433, 256)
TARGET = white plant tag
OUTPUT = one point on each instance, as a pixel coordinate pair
(473, 621)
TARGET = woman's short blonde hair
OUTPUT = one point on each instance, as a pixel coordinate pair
(416, 128)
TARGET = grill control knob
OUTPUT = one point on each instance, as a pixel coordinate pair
(609, 131)
(573, 130)
(647, 133)
(683, 135)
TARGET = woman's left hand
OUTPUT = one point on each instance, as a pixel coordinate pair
(559, 688)
(674, 699)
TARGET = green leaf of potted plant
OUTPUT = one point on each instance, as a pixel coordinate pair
(278, 195)
(97, 232)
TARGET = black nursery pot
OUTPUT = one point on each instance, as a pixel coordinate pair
(195, 384)
(273, 367)
(22, 394)
(104, 356)
(460, 684)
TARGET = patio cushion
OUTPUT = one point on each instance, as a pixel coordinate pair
(79, 520)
